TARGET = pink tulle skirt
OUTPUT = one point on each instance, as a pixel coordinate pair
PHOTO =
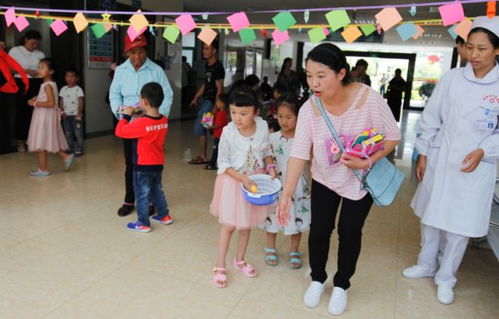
(45, 131)
(230, 207)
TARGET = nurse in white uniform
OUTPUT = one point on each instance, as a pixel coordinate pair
(459, 146)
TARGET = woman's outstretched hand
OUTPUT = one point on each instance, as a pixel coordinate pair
(282, 211)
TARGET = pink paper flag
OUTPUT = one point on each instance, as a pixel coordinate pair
(58, 26)
(451, 13)
(388, 18)
(10, 16)
(420, 32)
(132, 34)
(238, 21)
(463, 28)
(21, 23)
(280, 37)
(185, 23)
(108, 26)
(326, 31)
(207, 36)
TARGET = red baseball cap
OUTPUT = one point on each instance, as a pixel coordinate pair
(139, 41)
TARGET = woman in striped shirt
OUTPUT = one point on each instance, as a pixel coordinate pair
(352, 107)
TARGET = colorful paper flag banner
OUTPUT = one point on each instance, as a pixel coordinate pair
(306, 16)
(171, 34)
(420, 32)
(98, 30)
(284, 20)
(247, 35)
(207, 36)
(185, 23)
(316, 35)
(388, 18)
(21, 23)
(464, 28)
(367, 29)
(132, 34)
(238, 21)
(412, 11)
(10, 16)
(138, 21)
(280, 37)
(58, 26)
(451, 13)
(337, 19)
(491, 9)
(351, 34)
(452, 32)
(80, 22)
(406, 31)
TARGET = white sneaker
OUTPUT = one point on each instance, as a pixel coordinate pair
(313, 294)
(417, 271)
(445, 294)
(338, 301)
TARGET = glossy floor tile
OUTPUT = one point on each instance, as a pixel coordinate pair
(64, 253)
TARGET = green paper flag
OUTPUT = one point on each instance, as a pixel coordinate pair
(247, 35)
(284, 20)
(49, 21)
(171, 34)
(98, 29)
(337, 19)
(367, 29)
(316, 35)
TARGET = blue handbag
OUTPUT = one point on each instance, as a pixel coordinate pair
(382, 181)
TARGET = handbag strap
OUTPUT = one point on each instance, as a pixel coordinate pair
(335, 135)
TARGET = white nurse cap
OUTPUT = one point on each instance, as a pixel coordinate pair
(490, 24)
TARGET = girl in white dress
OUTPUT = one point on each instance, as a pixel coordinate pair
(281, 141)
(244, 150)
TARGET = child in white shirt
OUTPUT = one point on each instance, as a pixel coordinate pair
(72, 104)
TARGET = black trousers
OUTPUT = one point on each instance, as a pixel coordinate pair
(128, 152)
(325, 203)
(214, 154)
(23, 110)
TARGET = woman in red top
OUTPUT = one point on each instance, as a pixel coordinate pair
(219, 122)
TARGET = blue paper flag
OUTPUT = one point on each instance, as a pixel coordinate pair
(407, 30)
(452, 32)
(412, 11)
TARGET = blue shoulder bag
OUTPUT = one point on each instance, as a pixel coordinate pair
(382, 181)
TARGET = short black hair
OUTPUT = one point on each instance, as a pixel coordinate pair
(331, 56)
(72, 70)
(51, 65)
(291, 101)
(243, 95)
(214, 45)
(152, 92)
(252, 80)
(224, 98)
(32, 34)
(460, 41)
(361, 62)
(398, 71)
(494, 39)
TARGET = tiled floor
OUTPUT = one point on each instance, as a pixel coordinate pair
(64, 253)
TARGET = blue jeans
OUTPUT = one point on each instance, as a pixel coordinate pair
(205, 106)
(148, 187)
(72, 129)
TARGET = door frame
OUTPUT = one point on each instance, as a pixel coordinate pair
(411, 57)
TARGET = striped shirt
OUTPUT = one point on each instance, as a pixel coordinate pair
(312, 134)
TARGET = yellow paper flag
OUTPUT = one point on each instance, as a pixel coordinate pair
(138, 21)
(351, 34)
(80, 22)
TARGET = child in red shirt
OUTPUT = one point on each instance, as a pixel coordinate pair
(149, 133)
(219, 122)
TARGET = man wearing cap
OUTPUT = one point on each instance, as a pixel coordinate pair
(128, 80)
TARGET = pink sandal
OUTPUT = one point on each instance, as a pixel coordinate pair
(245, 268)
(219, 277)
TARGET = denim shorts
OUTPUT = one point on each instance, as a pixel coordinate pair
(206, 106)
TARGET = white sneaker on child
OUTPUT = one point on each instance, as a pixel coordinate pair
(338, 301)
(312, 296)
(417, 271)
(445, 294)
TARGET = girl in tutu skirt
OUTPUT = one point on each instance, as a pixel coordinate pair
(45, 131)
(244, 150)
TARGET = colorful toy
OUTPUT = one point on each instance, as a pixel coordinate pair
(207, 119)
(254, 189)
(137, 109)
(365, 144)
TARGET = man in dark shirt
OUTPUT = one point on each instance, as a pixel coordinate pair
(205, 97)
(396, 87)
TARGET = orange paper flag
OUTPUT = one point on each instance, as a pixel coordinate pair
(351, 34)
(491, 9)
